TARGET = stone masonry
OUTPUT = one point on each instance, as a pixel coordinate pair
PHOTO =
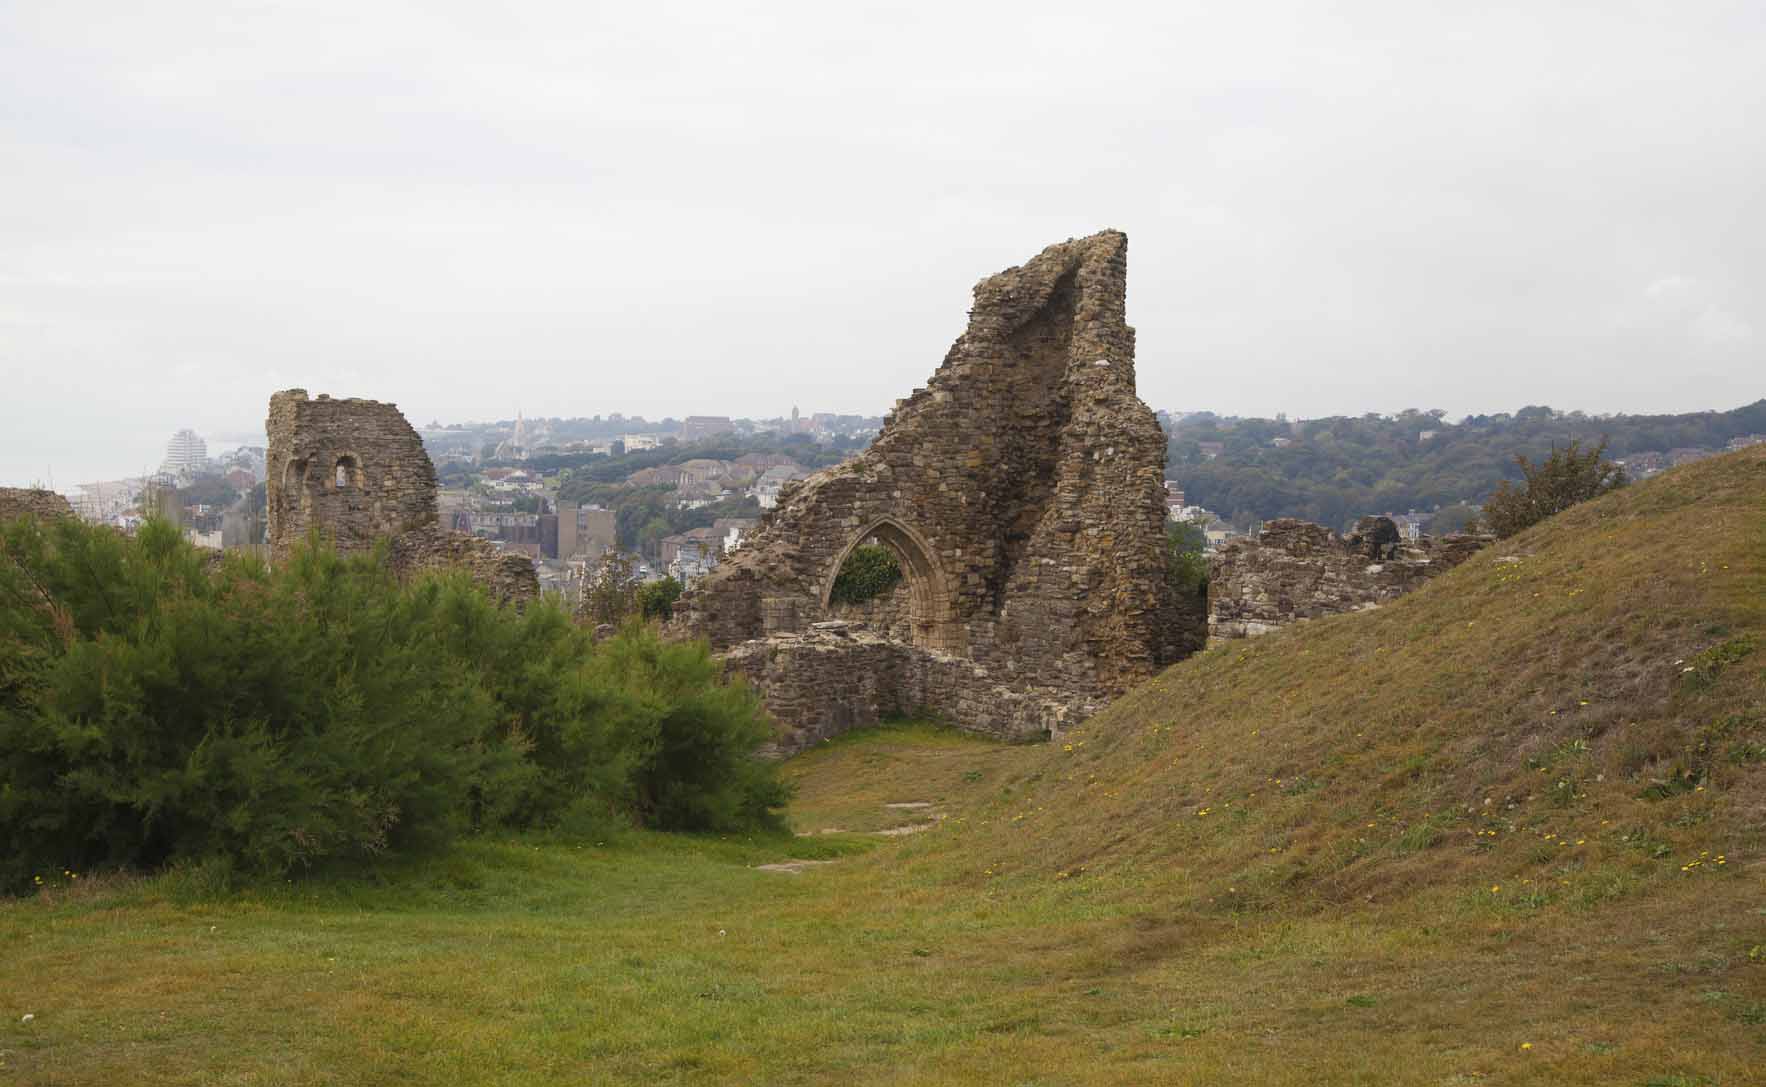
(355, 471)
(1297, 570)
(32, 501)
(1021, 490)
(838, 676)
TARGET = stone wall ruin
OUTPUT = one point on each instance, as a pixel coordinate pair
(1022, 492)
(1296, 570)
(33, 502)
(356, 472)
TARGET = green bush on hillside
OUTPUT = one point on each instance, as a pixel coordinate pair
(1568, 476)
(156, 706)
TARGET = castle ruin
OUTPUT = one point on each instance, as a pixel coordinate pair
(1296, 570)
(356, 472)
(1021, 492)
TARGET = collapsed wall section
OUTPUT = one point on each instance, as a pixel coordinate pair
(1295, 570)
(1021, 491)
(356, 472)
(35, 502)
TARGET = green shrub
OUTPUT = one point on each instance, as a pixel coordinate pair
(156, 707)
(1186, 565)
(870, 571)
(1556, 483)
(656, 599)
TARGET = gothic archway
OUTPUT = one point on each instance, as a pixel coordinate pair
(931, 617)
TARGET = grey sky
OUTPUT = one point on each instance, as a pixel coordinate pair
(673, 208)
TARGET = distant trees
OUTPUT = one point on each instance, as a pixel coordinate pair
(208, 491)
(1458, 517)
(1568, 476)
(611, 592)
(1339, 468)
(614, 594)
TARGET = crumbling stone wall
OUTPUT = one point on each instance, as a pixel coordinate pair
(357, 472)
(837, 676)
(35, 502)
(1021, 490)
(1297, 570)
(887, 614)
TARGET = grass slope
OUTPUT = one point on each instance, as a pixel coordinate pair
(1509, 829)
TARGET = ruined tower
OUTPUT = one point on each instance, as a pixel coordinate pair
(354, 468)
(357, 472)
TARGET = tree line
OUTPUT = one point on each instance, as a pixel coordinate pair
(1336, 469)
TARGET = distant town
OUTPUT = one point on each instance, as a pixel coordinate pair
(676, 495)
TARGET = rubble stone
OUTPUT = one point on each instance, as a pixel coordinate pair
(35, 502)
(1297, 570)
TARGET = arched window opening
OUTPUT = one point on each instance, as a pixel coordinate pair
(349, 473)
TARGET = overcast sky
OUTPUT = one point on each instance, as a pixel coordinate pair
(725, 208)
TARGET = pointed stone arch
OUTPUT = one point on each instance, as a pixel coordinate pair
(931, 614)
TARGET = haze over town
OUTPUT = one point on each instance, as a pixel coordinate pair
(577, 210)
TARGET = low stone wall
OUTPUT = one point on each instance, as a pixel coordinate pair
(1297, 570)
(835, 676)
(35, 502)
(888, 614)
(507, 576)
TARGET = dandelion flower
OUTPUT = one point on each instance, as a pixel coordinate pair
(1526, 1045)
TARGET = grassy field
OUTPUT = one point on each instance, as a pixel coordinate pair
(1510, 829)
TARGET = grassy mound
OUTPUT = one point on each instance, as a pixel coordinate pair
(1570, 717)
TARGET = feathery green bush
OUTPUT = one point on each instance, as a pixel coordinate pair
(160, 705)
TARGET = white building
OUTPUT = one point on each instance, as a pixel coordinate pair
(186, 454)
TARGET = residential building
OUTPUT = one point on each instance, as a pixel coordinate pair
(731, 531)
(1643, 465)
(580, 533)
(698, 427)
(700, 470)
(772, 481)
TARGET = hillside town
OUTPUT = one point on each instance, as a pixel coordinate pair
(674, 497)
